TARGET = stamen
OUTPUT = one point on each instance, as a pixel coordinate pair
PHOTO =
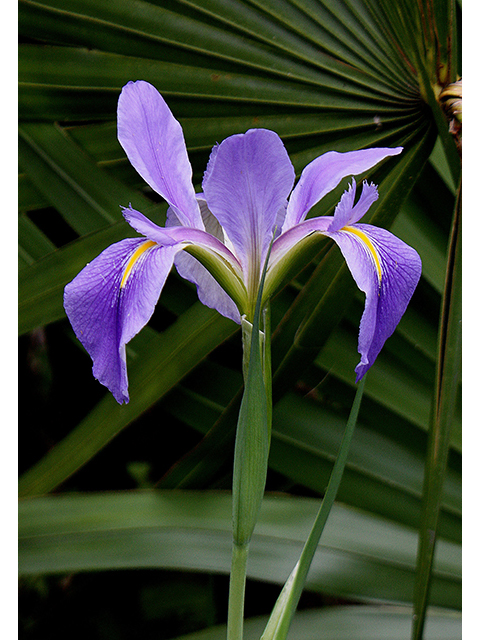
(135, 256)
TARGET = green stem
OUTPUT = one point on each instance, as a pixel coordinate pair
(250, 463)
(236, 596)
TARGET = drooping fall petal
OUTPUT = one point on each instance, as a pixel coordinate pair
(387, 270)
(111, 299)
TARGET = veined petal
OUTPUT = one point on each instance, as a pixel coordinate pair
(146, 227)
(111, 299)
(210, 293)
(247, 181)
(324, 173)
(387, 270)
(208, 250)
(212, 225)
(288, 251)
(177, 234)
(296, 234)
(153, 141)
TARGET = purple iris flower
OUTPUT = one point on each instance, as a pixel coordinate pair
(219, 239)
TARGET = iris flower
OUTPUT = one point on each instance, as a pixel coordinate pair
(219, 239)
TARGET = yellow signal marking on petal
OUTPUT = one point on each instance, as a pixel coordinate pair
(135, 256)
(368, 243)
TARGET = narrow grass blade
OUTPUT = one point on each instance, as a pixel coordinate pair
(448, 372)
(287, 602)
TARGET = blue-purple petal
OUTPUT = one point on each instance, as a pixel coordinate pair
(388, 276)
(153, 141)
(111, 299)
(209, 292)
(346, 212)
(287, 241)
(324, 173)
(179, 235)
(246, 185)
(146, 227)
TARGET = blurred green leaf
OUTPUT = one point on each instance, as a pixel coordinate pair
(350, 623)
(360, 556)
(305, 440)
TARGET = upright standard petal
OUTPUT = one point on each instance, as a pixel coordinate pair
(387, 270)
(324, 173)
(111, 299)
(247, 182)
(154, 143)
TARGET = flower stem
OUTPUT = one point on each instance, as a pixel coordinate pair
(236, 597)
(250, 463)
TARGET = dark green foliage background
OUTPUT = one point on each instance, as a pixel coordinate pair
(124, 511)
